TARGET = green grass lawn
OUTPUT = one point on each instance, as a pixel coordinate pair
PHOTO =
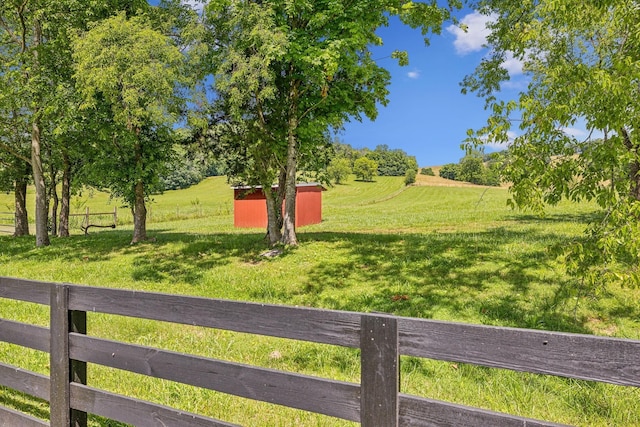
(433, 252)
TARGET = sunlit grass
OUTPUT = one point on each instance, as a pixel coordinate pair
(444, 253)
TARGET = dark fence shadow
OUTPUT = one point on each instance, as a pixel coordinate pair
(417, 275)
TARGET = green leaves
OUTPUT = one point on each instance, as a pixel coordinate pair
(583, 64)
(133, 67)
(402, 57)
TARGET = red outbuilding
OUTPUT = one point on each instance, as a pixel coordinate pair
(250, 206)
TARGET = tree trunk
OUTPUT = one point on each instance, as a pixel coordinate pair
(139, 208)
(289, 215)
(63, 230)
(634, 166)
(42, 214)
(282, 183)
(20, 192)
(273, 217)
(53, 196)
(139, 215)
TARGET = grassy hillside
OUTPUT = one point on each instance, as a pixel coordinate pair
(436, 252)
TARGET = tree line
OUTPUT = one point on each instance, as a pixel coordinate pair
(365, 163)
(475, 167)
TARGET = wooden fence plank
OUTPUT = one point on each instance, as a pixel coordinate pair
(24, 381)
(421, 412)
(11, 418)
(379, 371)
(35, 337)
(328, 397)
(60, 400)
(133, 411)
(78, 369)
(610, 360)
(322, 326)
(25, 290)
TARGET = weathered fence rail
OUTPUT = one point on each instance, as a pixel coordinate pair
(382, 339)
(86, 221)
(7, 222)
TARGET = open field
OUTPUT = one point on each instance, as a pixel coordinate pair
(431, 251)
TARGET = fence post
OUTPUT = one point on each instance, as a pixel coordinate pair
(63, 370)
(380, 373)
(78, 369)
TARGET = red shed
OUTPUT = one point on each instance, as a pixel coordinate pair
(250, 207)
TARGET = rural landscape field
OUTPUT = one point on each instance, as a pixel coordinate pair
(431, 250)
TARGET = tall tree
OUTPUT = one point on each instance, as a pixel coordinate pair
(36, 62)
(15, 163)
(137, 71)
(292, 69)
(21, 49)
(583, 61)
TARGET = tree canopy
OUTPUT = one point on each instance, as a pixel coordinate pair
(137, 71)
(583, 64)
(365, 168)
(392, 162)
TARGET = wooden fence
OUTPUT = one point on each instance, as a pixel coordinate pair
(86, 221)
(7, 220)
(382, 339)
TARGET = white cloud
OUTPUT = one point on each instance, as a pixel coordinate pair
(413, 74)
(501, 145)
(575, 132)
(517, 84)
(475, 36)
(512, 65)
(196, 5)
(474, 39)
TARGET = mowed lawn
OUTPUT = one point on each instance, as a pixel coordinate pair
(431, 251)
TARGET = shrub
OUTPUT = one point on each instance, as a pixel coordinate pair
(449, 171)
(427, 171)
(471, 169)
(339, 169)
(410, 177)
(365, 168)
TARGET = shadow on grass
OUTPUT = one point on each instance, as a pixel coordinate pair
(580, 218)
(152, 260)
(498, 276)
(40, 408)
(24, 403)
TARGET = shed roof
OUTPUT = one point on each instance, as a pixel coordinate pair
(258, 187)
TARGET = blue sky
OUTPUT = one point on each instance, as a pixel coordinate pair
(427, 115)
